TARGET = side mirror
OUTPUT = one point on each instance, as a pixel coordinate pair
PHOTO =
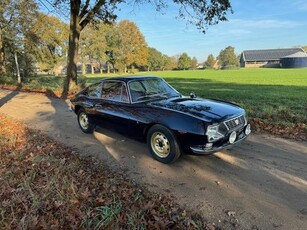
(192, 95)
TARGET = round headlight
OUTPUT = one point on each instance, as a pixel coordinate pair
(213, 133)
(248, 129)
(232, 137)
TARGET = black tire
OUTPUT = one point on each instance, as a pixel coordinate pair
(162, 144)
(84, 122)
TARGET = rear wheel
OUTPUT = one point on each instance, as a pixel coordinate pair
(163, 144)
(84, 122)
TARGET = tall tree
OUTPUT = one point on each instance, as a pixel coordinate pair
(184, 61)
(28, 12)
(134, 49)
(3, 26)
(200, 13)
(94, 44)
(81, 14)
(155, 59)
(168, 63)
(114, 44)
(228, 58)
(6, 25)
(48, 41)
(16, 19)
(209, 63)
(194, 63)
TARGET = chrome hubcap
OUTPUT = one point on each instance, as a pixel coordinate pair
(83, 120)
(160, 144)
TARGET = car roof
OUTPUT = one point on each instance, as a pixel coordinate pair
(129, 78)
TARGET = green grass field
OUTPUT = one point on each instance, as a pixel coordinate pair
(275, 95)
(272, 96)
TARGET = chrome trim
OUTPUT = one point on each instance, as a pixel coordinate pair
(239, 125)
(217, 149)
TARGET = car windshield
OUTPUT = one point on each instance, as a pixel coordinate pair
(151, 88)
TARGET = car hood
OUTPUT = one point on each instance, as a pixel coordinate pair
(205, 109)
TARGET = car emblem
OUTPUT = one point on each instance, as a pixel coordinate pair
(237, 121)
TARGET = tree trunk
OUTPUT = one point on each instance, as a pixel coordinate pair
(2, 56)
(108, 67)
(83, 68)
(113, 66)
(73, 47)
(17, 68)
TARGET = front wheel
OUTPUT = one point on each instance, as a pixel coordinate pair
(84, 122)
(163, 144)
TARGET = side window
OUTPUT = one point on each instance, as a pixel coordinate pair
(94, 90)
(136, 90)
(114, 91)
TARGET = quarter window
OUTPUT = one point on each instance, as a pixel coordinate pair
(114, 91)
(94, 90)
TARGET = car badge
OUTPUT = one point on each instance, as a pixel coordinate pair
(237, 121)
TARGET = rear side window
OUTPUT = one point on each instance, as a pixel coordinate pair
(94, 90)
(114, 91)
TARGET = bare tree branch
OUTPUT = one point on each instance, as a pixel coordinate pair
(85, 9)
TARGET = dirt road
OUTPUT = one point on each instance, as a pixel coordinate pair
(260, 184)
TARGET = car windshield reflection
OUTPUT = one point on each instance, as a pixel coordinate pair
(149, 89)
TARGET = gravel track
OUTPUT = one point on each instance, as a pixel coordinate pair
(260, 184)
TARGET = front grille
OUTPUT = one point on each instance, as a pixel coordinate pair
(235, 122)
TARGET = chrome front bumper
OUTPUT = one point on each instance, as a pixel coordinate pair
(208, 151)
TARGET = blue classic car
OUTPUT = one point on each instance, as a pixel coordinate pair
(149, 108)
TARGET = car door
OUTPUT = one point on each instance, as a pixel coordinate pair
(114, 109)
(91, 97)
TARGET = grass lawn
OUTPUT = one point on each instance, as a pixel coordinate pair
(276, 95)
(275, 99)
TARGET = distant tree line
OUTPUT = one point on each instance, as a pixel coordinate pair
(32, 41)
(227, 59)
(122, 47)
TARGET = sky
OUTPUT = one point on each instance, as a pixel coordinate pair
(254, 24)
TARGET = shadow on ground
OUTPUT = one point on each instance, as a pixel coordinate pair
(261, 183)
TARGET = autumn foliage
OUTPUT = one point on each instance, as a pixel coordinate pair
(46, 185)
